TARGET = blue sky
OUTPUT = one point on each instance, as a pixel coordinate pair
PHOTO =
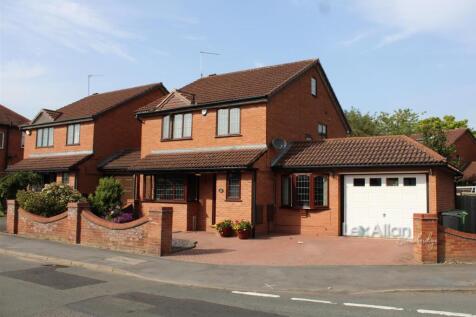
(378, 55)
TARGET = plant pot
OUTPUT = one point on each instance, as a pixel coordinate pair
(244, 234)
(227, 232)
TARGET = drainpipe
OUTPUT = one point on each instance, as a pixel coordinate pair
(253, 203)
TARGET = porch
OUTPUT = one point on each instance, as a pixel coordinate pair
(293, 250)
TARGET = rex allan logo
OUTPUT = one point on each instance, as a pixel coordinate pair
(381, 231)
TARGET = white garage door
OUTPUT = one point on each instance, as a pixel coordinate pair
(382, 205)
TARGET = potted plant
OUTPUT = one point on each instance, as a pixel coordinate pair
(225, 228)
(243, 228)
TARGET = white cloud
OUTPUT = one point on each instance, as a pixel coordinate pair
(402, 19)
(18, 70)
(67, 23)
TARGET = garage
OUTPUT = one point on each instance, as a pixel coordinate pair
(382, 205)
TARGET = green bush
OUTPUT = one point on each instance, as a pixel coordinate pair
(10, 184)
(50, 201)
(106, 201)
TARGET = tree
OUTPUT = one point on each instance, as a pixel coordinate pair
(434, 136)
(362, 124)
(401, 121)
(447, 123)
(10, 184)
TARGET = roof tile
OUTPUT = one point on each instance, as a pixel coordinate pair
(8, 116)
(50, 164)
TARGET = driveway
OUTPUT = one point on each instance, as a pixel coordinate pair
(294, 250)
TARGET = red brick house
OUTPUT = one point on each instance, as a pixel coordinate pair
(67, 145)
(270, 145)
(11, 146)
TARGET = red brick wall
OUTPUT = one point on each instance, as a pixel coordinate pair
(466, 148)
(12, 151)
(456, 246)
(181, 216)
(441, 190)
(425, 233)
(151, 234)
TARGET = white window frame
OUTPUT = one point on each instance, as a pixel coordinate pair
(75, 134)
(313, 86)
(226, 130)
(322, 130)
(47, 139)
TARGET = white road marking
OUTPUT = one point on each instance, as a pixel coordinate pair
(256, 294)
(443, 313)
(373, 306)
(312, 300)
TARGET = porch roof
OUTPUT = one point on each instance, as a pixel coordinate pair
(220, 158)
(120, 162)
(380, 151)
(59, 163)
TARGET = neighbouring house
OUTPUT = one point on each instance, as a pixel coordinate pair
(465, 151)
(270, 145)
(11, 140)
(67, 145)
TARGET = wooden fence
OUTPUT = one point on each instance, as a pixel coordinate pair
(468, 203)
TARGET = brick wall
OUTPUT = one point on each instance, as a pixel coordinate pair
(151, 234)
(12, 151)
(456, 246)
(441, 191)
(425, 231)
(466, 148)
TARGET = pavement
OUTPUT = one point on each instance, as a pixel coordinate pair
(294, 250)
(333, 279)
(38, 289)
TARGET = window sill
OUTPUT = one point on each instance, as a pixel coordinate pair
(44, 147)
(77, 144)
(171, 140)
(228, 136)
(231, 200)
(307, 209)
(169, 201)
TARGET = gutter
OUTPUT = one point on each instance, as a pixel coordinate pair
(55, 123)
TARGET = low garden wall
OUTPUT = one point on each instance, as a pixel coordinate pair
(150, 234)
(434, 243)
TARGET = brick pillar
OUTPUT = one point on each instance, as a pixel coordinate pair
(74, 221)
(425, 236)
(159, 232)
(12, 216)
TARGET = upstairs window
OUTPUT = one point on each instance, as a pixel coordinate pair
(73, 134)
(233, 186)
(2, 140)
(228, 121)
(322, 130)
(313, 86)
(44, 137)
(178, 126)
(308, 191)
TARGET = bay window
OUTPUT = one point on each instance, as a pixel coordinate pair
(177, 126)
(169, 188)
(228, 121)
(307, 191)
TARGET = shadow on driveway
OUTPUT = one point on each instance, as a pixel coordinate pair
(3, 224)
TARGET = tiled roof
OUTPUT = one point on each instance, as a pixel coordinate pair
(8, 116)
(200, 160)
(245, 84)
(469, 173)
(380, 151)
(121, 161)
(98, 103)
(48, 164)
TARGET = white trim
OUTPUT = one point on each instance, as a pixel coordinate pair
(68, 153)
(213, 149)
(383, 172)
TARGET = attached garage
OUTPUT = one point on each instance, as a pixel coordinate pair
(382, 205)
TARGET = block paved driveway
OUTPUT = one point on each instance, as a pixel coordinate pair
(294, 250)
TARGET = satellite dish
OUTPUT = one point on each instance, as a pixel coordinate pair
(279, 143)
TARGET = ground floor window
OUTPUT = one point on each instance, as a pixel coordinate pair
(170, 188)
(305, 191)
(65, 178)
(233, 186)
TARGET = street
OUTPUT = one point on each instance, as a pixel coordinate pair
(39, 289)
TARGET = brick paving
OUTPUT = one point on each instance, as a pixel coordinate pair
(294, 250)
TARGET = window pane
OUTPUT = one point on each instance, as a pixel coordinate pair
(286, 191)
(166, 127)
(179, 188)
(235, 121)
(44, 142)
(234, 184)
(375, 182)
(222, 128)
(320, 191)
(50, 136)
(178, 125)
(359, 182)
(313, 86)
(409, 181)
(302, 190)
(65, 178)
(39, 137)
(392, 181)
(2, 140)
(187, 125)
(77, 130)
(70, 139)
(170, 188)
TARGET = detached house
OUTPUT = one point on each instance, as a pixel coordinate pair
(11, 141)
(67, 145)
(270, 145)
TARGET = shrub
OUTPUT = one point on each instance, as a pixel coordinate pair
(12, 183)
(106, 201)
(50, 201)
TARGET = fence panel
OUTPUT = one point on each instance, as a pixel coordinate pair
(468, 203)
